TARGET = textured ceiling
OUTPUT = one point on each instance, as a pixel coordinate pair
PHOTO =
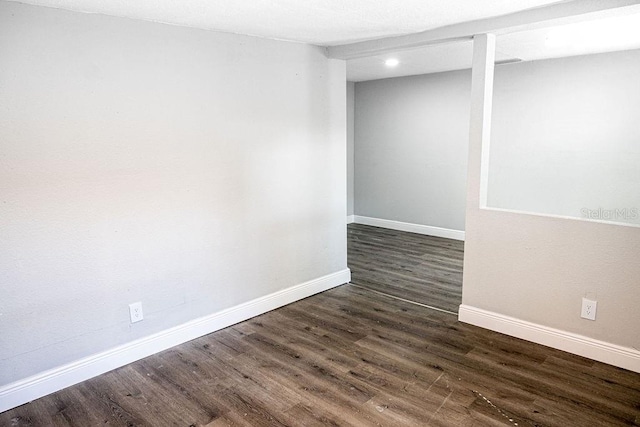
(322, 22)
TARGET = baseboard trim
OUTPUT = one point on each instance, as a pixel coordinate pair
(612, 354)
(412, 228)
(44, 383)
(351, 219)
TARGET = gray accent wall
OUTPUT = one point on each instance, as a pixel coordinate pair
(411, 148)
(563, 142)
(187, 169)
(410, 165)
(565, 139)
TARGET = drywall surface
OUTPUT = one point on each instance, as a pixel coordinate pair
(351, 110)
(538, 268)
(411, 149)
(565, 137)
(189, 170)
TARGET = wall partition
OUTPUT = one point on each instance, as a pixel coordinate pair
(565, 135)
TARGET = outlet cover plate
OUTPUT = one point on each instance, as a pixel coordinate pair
(135, 311)
(588, 309)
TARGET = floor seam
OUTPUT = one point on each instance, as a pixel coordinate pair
(403, 299)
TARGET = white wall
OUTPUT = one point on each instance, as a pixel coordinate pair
(411, 149)
(565, 136)
(351, 110)
(186, 169)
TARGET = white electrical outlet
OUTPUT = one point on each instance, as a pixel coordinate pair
(588, 309)
(135, 310)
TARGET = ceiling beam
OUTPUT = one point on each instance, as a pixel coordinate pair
(516, 21)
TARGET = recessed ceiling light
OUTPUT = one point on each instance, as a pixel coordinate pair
(391, 62)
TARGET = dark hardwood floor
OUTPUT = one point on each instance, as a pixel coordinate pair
(419, 268)
(348, 357)
(354, 357)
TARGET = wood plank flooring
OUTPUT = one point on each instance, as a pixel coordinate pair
(348, 357)
(419, 268)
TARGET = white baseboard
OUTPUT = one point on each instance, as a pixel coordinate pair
(622, 357)
(351, 219)
(47, 382)
(412, 228)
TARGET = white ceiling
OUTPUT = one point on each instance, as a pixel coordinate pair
(425, 60)
(602, 32)
(321, 22)
(596, 33)
(336, 22)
